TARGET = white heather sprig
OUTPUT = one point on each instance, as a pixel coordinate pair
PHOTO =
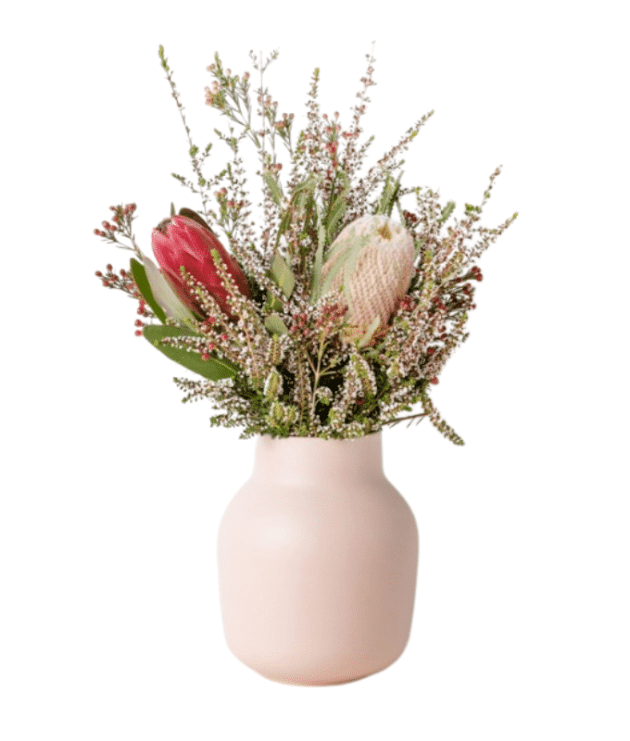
(375, 175)
(438, 422)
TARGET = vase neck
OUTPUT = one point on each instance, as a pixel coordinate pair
(296, 458)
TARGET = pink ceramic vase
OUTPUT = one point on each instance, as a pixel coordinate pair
(317, 557)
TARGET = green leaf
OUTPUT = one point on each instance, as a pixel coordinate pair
(336, 213)
(353, 255)
(282, 274)
(274, 188)
(190, 214)
(303, 200)
(388, 191)
(140, 277)
(272, 303)
(275, 325)
(305, 185)
(285, 220)
(369, 332)
(340, 245)
(447, 211)
(215, 368)
(394, 198)
(417, 246)
(172, 210)
(338, 208)
(332, 273)
(316, 282)
(390, 194)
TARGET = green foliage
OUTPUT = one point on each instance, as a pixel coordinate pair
(140, 278)
(274, 188)
(215, 368)
(190, 214)
(369, 333)
(337, 209)
(437, 421)
(275, 325)
(389, 196)
(447, 211)
(311, 381)
(282, 274)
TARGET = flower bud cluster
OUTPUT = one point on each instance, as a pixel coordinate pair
(123, 281)
(122, 218)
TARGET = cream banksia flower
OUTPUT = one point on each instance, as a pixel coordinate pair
(373, 259)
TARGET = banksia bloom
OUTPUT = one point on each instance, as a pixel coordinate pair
(373, 259)
(181, 241)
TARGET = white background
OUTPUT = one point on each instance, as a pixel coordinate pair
(113, 490)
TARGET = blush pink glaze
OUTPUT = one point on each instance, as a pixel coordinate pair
(317, 557)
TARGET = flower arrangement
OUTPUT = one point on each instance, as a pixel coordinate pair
(333, 317)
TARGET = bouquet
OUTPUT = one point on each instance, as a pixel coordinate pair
(334, 316)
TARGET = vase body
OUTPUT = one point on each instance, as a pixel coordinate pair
(317, 557)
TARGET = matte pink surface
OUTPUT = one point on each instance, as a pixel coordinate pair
(317, 557)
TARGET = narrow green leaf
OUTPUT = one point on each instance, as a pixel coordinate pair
(417, 247)
(282, 274)
(190, 214)
(447, 211)
(285, 220)
(274, 188)
(394, 198)
(370, 331)
(351, 263)
(172, 210)
(309, 184)
(316, 282)
(332, 273)
(300, 200)
(275, 325)
(340, 245)
(215, 368)
(140, 277)
(388, 190)
(353, 255)
(389, 196)
(272, 303)
(337, 210)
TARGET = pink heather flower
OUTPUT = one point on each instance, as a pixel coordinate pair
(180, 241)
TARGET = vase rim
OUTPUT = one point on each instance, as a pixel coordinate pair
(317, 437)
(286, 456)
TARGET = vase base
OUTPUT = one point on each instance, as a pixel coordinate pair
(318, 682)
(323, 683)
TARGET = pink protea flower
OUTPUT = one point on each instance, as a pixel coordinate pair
(179, 241)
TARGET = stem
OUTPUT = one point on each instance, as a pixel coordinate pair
(402, 419)
(320, 354)
(262, 111)
(135, 247)
(180, 107)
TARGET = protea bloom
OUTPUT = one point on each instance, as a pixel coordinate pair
(181, 241)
